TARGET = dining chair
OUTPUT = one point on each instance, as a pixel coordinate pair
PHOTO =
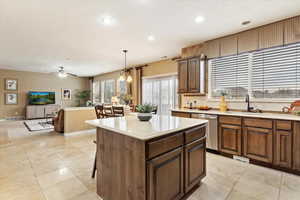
(108, 112)
(99, 111)
(154, 110)
(95, 162)
(118, 111)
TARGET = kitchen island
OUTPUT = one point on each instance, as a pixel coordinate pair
(163, 159)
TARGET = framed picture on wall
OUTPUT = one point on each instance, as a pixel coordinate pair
(11, 98)
(11, 84)
(66, 94)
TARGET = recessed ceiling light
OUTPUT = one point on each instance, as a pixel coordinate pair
(246, 23)
(151, 38)
(107, 20)
(199, 19)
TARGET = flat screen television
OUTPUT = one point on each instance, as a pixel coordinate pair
(41, 98)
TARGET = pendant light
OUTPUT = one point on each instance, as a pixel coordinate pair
(125, 75)
(123, 72)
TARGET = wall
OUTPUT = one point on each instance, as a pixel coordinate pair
(32, 81)
(160, 67)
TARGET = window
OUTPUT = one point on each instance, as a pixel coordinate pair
(161, 92)
(103, 91)
(263, 74)
(230, 75)
(275, 72)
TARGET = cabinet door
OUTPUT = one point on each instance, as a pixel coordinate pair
(181, 114)
(228, 45)
(248, 41)
(296, 146)
(292, 30)
(230, 139)
(271, 35)
(258, 144)
(283, 148)
(165, 176)
(195, 163)
(212, 48)
(194, 75)
(183, 76)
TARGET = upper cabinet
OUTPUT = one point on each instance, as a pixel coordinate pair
(192, 51)
(191, 76)
(194, 75)
(248, 41)
(271, 35)
(228, 45)
(183, 76)
(212, 48)
(292, 30)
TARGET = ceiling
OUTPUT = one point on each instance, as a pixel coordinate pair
(40, 35)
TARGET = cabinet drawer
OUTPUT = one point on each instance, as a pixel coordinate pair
(261, 123)
(181, 114)
(283, 125)
(230, 120)
(157, 147)
(194, 134)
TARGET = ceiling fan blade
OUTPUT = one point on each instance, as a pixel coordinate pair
(72, 74)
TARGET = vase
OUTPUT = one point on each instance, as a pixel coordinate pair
(144, 116)
(223, 104)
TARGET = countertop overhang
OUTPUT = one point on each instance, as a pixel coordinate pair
(159, 125)
(241, 114)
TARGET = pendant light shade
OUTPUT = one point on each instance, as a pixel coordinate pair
(129, 78)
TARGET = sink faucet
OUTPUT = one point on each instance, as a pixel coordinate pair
(249, 109)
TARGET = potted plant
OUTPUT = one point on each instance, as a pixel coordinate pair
(82, 97)
(144, 112)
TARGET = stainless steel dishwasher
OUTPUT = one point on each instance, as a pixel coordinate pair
(212, 130)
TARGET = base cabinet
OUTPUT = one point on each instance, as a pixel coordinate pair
(258, 144)
(195, 163)
(296, 146)
(283, 148)
(165, 176)
(230, 139)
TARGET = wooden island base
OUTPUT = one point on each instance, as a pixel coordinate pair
(168, 167)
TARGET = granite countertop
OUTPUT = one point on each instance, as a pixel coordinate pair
(242, 114)
(159, 125)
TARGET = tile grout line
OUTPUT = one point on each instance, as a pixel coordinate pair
(35, 175)
(238, 179)
(281, 180)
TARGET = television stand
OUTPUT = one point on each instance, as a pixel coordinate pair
(40, 111)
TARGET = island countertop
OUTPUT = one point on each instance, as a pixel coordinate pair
(159, 125)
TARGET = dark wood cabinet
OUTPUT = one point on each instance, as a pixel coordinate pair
(258, 144)
(296, 146)
(195, 167)
(283, 148)
(194, 75)
(181, 114)
(183, 76)
(230, 139)
(165, 176)
(191, 76)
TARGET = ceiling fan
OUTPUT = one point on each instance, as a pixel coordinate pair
(63, 74)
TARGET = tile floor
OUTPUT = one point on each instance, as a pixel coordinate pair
(49, 166)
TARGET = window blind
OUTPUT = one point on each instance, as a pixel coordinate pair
(230, 75)
(276, 72)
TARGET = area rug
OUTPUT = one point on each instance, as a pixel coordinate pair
(38, 125)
